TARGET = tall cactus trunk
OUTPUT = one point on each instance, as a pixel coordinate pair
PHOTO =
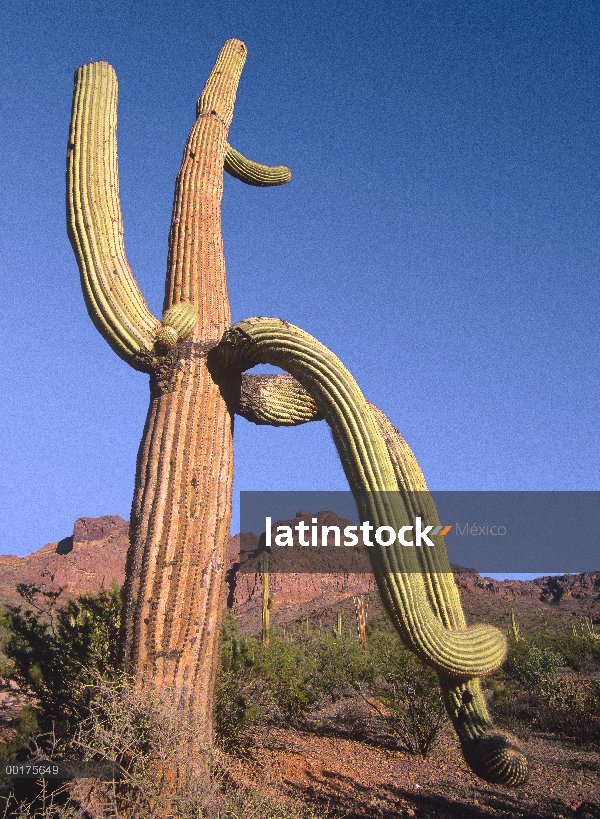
(175, 563)
(182, 502)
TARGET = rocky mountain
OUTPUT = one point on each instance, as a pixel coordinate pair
(94, 555)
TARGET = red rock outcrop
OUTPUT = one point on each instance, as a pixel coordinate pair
(95, 555)
(92, 556)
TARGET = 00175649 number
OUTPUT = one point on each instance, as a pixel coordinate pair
(59, 770)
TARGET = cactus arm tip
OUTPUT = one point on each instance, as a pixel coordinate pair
(218, 97)
(497, 757)
(253, 173)
(177, 324)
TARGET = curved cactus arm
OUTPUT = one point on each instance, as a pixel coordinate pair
(463, 654)
(495, 756)
(94, 220)
(253, 173)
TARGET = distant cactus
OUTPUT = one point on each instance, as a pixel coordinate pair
(587, 628)
(267, 602)
(513, 631)
(362, 607)
(337, 629)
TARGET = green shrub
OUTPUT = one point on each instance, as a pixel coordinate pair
(414, 710)
(538, 695)
(568, 705)
(577, 650)
(531, 665)
(57, 651)
(289, 671)
(241, 702)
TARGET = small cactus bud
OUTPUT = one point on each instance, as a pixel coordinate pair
(182, 318)
(166, 337)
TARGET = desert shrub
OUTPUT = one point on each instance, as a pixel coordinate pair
(577, 650)
(24, 726)
(529, 665)
(242, 703)
(341, 663)
(568, 705)
(403, 698)
(56, 651)
(540, 694)
(289, 671)
(413, 708)
(142, 735)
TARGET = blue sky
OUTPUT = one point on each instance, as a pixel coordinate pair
(440, 234)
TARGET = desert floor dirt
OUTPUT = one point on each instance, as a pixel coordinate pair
(358, 780)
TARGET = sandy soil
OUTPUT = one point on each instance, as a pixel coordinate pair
(359, 780)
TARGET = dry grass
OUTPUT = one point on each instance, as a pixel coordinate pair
(160, 772)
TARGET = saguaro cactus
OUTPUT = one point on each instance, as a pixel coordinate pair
(513, 631)
(182, 503)
(361, 605)
(267, 602)
(182, 500)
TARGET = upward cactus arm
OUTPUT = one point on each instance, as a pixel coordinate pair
(196, 264)
(94, 220)
(253, 173)
(461, 654)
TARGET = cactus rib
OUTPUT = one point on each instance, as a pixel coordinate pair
(277, 400)
(253, 173)
(492, 755)
(94, 220)
(464, 654)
